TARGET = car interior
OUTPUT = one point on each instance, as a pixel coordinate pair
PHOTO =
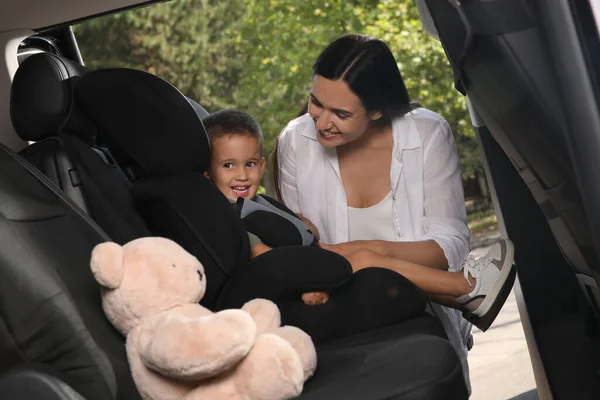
(116, 154)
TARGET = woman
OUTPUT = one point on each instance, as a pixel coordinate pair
(380, 179)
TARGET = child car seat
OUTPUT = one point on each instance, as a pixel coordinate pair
(177, 201)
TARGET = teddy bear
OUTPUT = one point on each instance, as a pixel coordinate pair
(178, 349)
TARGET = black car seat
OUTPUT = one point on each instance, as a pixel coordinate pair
(64, 149)
(222, 247)
(177, 201)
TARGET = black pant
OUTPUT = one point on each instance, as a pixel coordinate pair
(369, 299)
(374, 298)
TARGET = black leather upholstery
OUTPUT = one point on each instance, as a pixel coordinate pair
(41, 107)
(408, 361)
(50, 306)
(27, 384)
(41, 95)
(65, 150)
(49, 157)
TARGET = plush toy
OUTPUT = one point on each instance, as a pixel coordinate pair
(176, 348)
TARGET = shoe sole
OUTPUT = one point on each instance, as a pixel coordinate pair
(494, 296)
(485, 321)
(490, 298)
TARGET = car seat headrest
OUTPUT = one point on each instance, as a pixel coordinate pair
(149, 126)
(41, 96)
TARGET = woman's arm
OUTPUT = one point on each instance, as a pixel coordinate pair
(445, 219)
(427, 253)
(445, 244)
(432, 281)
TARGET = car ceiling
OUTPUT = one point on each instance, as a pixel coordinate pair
(38, 14)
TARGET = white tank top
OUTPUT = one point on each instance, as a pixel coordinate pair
(372, 223)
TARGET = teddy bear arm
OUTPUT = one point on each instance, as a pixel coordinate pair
(265, 313)
(197, 348)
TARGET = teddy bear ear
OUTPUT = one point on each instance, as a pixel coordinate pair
(107, 264)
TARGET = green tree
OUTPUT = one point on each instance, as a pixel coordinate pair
(190, 43)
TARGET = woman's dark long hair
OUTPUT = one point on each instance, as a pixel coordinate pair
(369, 68)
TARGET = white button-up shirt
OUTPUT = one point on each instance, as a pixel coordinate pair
(427, 192)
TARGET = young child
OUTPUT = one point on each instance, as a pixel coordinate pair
(236, 168)
(237, 165)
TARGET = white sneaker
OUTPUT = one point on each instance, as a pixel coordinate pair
(491, 274)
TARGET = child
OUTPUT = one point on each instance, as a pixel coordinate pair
(236, 164)
(236, 168)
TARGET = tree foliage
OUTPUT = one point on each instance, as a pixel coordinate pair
(257, 55)
(191, 43)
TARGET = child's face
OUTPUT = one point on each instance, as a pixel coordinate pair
(236, 166)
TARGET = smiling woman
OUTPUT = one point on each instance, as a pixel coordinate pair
(379, 177)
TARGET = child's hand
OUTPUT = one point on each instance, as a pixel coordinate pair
(343, 249)
(311, 226)
(315, 298)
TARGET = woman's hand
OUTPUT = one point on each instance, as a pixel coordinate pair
(362, 258)
(344, 249)
(311, 226)
(358, 257)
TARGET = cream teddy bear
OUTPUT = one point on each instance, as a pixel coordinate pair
(178, 349)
